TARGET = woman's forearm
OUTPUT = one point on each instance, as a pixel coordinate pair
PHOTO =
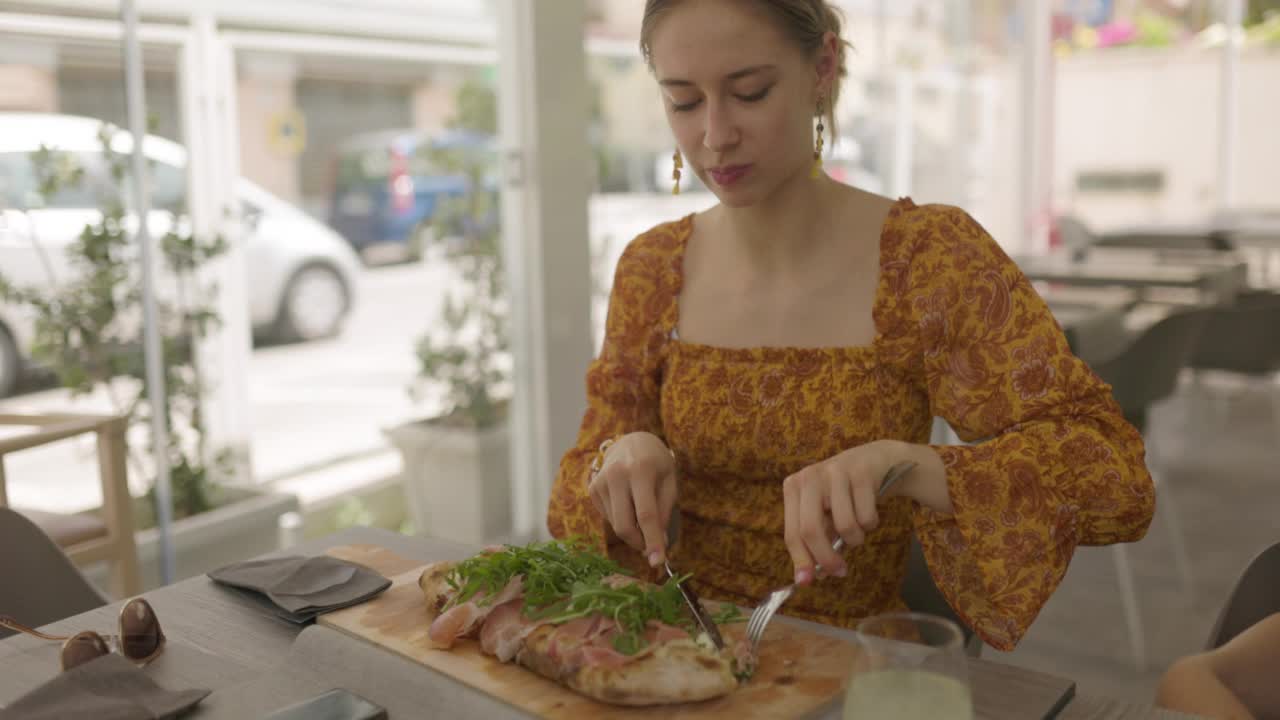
(927, 483)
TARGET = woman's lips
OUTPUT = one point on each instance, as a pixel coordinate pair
(726, 175)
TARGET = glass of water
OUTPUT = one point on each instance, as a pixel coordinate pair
(911, 666)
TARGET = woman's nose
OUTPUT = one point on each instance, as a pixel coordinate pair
(720, 132)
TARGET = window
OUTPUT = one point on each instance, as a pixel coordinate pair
(15, 182)
(168, 187)
(19, 186)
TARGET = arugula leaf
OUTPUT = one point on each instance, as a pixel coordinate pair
(727, 614)
(631, 607)
(566, 580)
(628, 643)
(550, 570)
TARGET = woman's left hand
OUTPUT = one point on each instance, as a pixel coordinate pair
(837, 497)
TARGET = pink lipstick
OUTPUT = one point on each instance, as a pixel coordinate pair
(727, 175)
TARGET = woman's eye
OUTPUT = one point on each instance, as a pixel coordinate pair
(755, 97)
(684, 107)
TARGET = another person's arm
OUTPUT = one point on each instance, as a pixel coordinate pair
(1239, 681)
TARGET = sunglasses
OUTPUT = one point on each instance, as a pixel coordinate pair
(140, 638)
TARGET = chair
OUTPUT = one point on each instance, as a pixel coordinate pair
(1256, 595)
(1140, 376)
(1244, 339)
(922, 595)
(41, 585)
(1146, 371)
(86, 538)
(1077, 237)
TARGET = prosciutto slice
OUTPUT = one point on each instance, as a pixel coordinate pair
(505, 629)
(464, 619)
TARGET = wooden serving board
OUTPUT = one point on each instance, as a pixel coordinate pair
(800, 671)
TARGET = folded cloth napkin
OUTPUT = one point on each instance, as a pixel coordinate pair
(299, 588)
(105, 688)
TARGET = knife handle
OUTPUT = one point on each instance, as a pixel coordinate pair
(895, 474)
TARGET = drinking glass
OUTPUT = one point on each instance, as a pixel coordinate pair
(911, 666)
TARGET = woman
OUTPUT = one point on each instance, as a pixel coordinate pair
(767, 361)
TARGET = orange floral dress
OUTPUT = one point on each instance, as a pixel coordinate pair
(960, 334)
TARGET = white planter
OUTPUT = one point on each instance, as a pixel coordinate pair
(238, 530)
(457, 482)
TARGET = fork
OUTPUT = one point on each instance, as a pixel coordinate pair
(765, 611)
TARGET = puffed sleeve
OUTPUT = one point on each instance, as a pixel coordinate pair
(622, 388)
(1054, 463)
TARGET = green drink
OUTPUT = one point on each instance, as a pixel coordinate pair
(907, 695)
(910, 666)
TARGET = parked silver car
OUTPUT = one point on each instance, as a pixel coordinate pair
(301, 274)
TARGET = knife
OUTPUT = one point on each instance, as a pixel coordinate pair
(690, 597)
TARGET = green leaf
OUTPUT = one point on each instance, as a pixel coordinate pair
(727, 615)
(565, 581)
(628, 643)
(550, 569)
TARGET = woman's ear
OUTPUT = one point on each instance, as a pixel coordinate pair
(828, 63)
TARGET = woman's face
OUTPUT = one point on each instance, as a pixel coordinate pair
(739, 96)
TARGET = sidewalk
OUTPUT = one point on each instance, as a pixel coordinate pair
(314, 405)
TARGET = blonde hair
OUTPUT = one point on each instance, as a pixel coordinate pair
(806, 22)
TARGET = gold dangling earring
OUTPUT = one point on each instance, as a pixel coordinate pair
(817, 147)
(675, 173)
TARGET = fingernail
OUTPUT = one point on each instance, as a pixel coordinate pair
(803, 576)
(655, 558)
(841, 571)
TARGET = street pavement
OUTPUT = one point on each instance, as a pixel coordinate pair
(311, 403)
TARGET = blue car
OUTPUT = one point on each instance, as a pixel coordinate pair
(388, 188)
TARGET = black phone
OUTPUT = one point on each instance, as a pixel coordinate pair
(337, 704)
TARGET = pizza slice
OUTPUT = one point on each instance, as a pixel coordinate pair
(573, 616)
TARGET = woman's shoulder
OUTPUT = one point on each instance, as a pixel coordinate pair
(649, 265)
(665, 239)
(936, 237)
(656, 252)
(938, 223)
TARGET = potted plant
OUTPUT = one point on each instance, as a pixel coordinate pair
(88, 334)
(455, 461)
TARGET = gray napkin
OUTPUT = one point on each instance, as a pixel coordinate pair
(299, 588)
(106, 688)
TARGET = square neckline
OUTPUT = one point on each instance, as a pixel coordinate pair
(785, 352)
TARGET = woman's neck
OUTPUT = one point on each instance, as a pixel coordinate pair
(789, 228)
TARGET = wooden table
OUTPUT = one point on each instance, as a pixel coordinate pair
(1257, 236)
(221, 640)
(1260, 230)
(1215, 281)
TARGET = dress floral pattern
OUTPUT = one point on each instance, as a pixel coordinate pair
(960, 334)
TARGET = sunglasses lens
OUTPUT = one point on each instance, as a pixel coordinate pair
(139, 630)
(82, 648)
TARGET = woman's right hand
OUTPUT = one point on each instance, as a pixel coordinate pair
(636, 492)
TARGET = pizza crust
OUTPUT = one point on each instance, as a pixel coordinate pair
(679, 671)
(435, 585)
